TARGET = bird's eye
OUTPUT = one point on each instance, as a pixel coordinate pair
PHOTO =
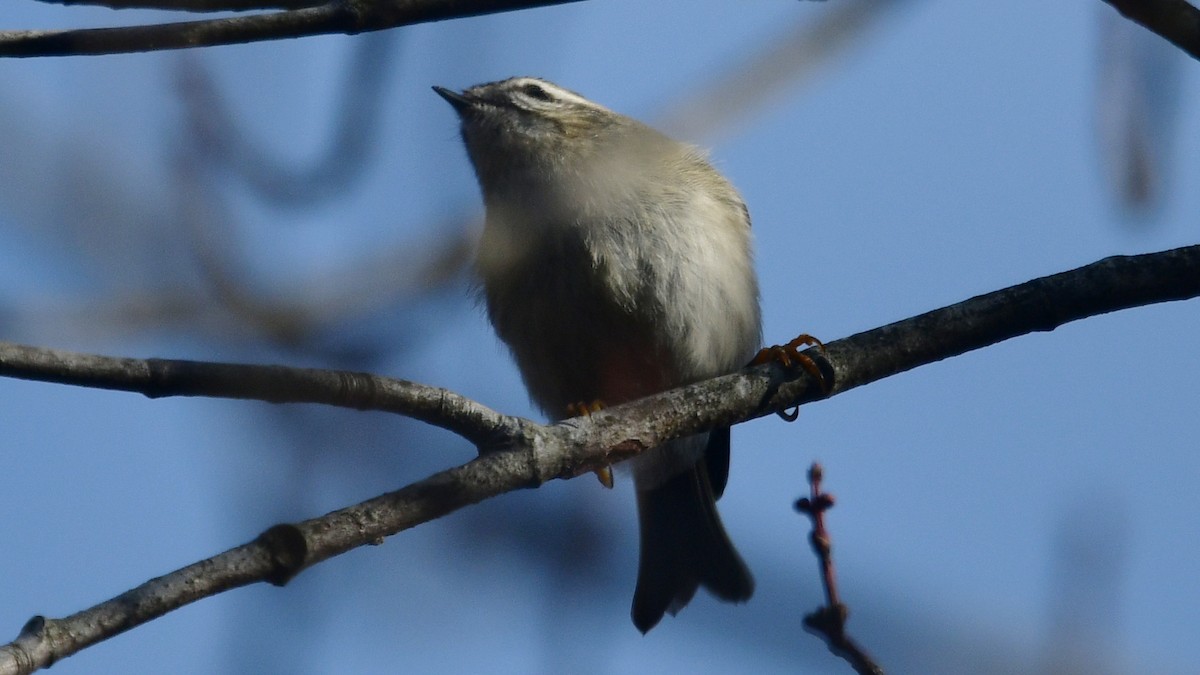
(534, 91)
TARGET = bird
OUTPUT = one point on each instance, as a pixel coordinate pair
(615, 263)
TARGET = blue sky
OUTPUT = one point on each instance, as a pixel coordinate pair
(994, 510)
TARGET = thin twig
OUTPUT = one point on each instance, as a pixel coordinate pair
(157, 378)
(829, 622)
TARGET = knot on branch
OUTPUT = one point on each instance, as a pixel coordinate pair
(159, 376)
(288, 551)
(32, 634)
(34, 628)
(358, 390)
(353, 14)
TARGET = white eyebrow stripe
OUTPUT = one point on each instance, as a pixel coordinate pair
(557, 91)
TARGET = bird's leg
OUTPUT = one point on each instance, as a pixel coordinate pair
(604, 474)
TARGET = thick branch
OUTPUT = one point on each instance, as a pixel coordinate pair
(1112, 284)
(1176, 20)
(341, 16)
(534, 453)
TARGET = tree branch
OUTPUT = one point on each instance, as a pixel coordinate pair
(340, 16)
(531, 454)
(1176, 20)
(193, 5)
(157, 378)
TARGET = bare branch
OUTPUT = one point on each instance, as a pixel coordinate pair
(341, 16)
(1176, 20)
(158, 378)
(532, 454)
(194, 5)
(275, 556)
(829, 621)
(1112, 284)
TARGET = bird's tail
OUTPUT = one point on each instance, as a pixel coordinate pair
(684, 546)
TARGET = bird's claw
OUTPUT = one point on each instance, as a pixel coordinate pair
(790, 356)
(603, 474)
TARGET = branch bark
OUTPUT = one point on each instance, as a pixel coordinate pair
(193, 5)
(157, 378)
(339, 16)
(522, 454)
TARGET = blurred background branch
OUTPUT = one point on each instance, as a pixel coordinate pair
(1137, 109)
(215, 140)
(770, 70)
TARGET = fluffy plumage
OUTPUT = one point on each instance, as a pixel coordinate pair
(616, 263)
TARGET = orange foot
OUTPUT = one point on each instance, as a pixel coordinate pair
(789, 356)
(604, 475)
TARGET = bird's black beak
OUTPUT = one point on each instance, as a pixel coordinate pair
(461, 103)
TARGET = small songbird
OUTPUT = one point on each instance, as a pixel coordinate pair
(616, 263)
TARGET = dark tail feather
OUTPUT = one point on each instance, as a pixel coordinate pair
(684, 546)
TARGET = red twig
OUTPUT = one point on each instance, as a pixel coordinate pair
(829, 622)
